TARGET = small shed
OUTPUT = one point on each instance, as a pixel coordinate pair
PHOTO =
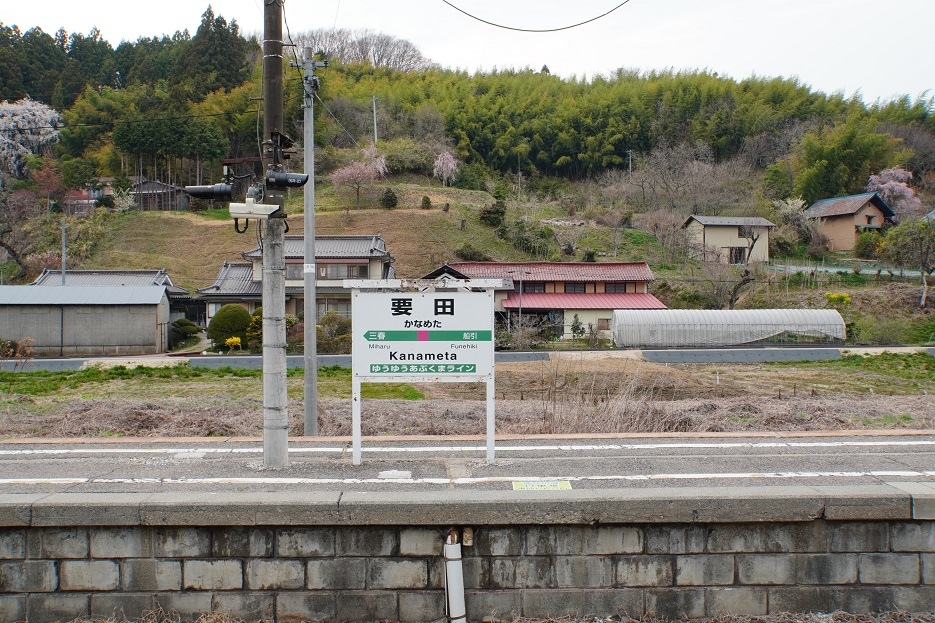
(842, 219)
(659, 328)
(730, 239)
(181, 304)
(156, 195)
(72, 321)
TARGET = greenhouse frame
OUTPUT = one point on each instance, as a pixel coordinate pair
(633, 328)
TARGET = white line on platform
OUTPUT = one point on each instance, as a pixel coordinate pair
(463, 481)
(190, 452)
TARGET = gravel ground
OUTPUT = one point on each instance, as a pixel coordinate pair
(835, 617)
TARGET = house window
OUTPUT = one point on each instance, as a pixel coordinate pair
(738, 255)
(603, 324)
(869, 219)
(534, 286)
(615, 288)
(294, 272)
(341, 307)
(575, 288)
(342, 271)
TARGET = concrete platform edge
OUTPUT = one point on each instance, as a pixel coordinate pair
(896, 501)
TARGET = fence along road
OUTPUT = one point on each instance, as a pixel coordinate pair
(673, 355)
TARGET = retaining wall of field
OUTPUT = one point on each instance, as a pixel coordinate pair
(364, 557)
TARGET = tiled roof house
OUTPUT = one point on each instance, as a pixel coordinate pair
(336, 258)
(554, 292)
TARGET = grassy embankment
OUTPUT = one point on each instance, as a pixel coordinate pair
(883, 374)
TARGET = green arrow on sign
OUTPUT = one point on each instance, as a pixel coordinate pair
(428, 336)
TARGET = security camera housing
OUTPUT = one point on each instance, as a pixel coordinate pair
(218, 192)
(281, 180)
(251, 209)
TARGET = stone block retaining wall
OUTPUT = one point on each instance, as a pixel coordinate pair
(396, 573)
(567, 557)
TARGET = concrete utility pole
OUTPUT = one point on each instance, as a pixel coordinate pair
(275, 398)
(311, 307)
(374, 119)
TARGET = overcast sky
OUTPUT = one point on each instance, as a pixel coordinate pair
(878, 50)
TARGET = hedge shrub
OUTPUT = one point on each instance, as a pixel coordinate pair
(229, 321)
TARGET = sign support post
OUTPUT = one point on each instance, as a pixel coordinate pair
(355, 419)
(491, 424)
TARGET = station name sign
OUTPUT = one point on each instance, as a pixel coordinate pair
(435, 334)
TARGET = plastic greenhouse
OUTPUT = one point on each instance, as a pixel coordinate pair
(705, 327)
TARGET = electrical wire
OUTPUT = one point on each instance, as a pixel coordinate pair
(587, 21)
(328, 110)
(295, 55)
(311, 93)
(336, 11)
(259, 131)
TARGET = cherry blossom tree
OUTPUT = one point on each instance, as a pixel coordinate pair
(359, 174)
(376, 160)
(26, 127)
(893, 187)
(446, 167)
(15, 209)
(355, 176)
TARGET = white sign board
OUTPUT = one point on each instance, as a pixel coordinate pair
(421, 337)
(423, 334)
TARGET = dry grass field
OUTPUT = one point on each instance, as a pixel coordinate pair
(572, 393)
(160, 616)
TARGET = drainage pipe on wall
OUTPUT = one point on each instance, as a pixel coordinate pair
(454, 579)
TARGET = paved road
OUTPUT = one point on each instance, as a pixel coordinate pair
(408, 465)
(672, 355)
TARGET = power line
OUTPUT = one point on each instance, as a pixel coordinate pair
(336, 120)
(587, 21)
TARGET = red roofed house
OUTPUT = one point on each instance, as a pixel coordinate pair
(842, 219)
(553, 292)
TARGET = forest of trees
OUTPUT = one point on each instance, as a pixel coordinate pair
(171, 108)
(143, 97)
(192, 99)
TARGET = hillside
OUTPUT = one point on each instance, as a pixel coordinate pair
(192, 246)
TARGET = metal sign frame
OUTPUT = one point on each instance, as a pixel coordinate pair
(470, 335)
